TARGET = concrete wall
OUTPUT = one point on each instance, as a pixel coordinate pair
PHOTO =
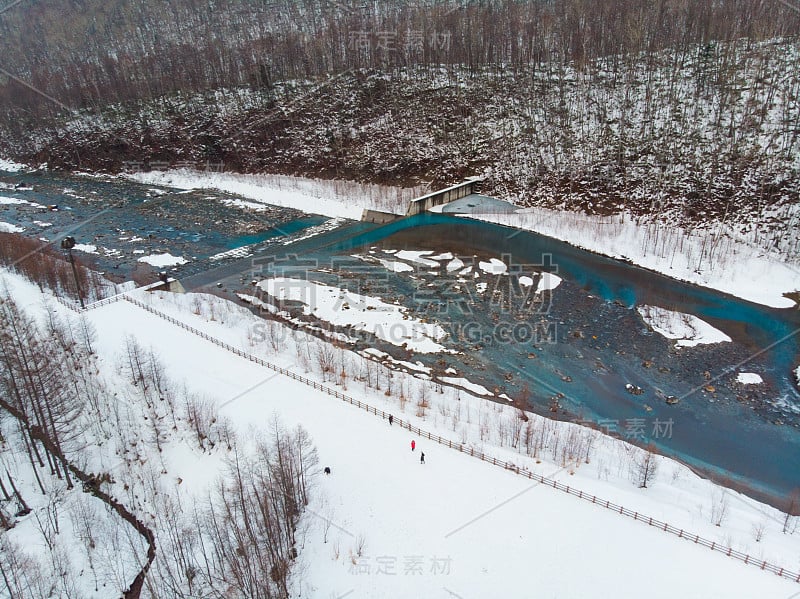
(376, 216)
(443, 196)
(171, 284)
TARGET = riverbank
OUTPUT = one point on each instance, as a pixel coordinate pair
(719, 259)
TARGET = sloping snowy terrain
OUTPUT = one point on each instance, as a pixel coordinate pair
(454, 526)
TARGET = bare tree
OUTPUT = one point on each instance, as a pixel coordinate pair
(645, 465)
(792, 512)
(719, 506)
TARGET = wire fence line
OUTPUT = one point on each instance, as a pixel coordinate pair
(105, 301)
(92, 306)
(461, 447)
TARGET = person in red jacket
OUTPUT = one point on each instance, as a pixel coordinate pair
(413, 445)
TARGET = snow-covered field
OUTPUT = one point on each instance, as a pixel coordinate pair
(454, 526)
(385, 525)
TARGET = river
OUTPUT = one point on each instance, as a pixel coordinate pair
(578, 345)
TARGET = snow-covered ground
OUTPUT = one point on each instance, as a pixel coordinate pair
(364, 313)
(454, 526)
(329, 198)
(686, 328)
(725, 262)
(749, 378)
(728, 264)
(547, 282)
(86, 248)
(10, 166)
(250, 186)
(161, 260)
(69, 521)
(9, 201)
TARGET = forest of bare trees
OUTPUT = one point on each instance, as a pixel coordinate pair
(58, 413)
(91, 53)
(41, 263)
(679, 107)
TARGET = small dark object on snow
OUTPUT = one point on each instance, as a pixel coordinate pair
(422, 458)
(327, 470)
(391, 419)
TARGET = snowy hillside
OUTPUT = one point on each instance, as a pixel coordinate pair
(701, 138)
(382, 524)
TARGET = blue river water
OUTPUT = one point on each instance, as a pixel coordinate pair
(745, 439)
(595, 342)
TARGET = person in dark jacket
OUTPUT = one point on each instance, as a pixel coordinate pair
(391, 419)
(422, 458)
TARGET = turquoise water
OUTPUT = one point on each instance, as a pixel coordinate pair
(107, 213)
(283, 230)
(713, 432)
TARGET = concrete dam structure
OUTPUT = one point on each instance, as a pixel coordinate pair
(443, 196)
(428, 201)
